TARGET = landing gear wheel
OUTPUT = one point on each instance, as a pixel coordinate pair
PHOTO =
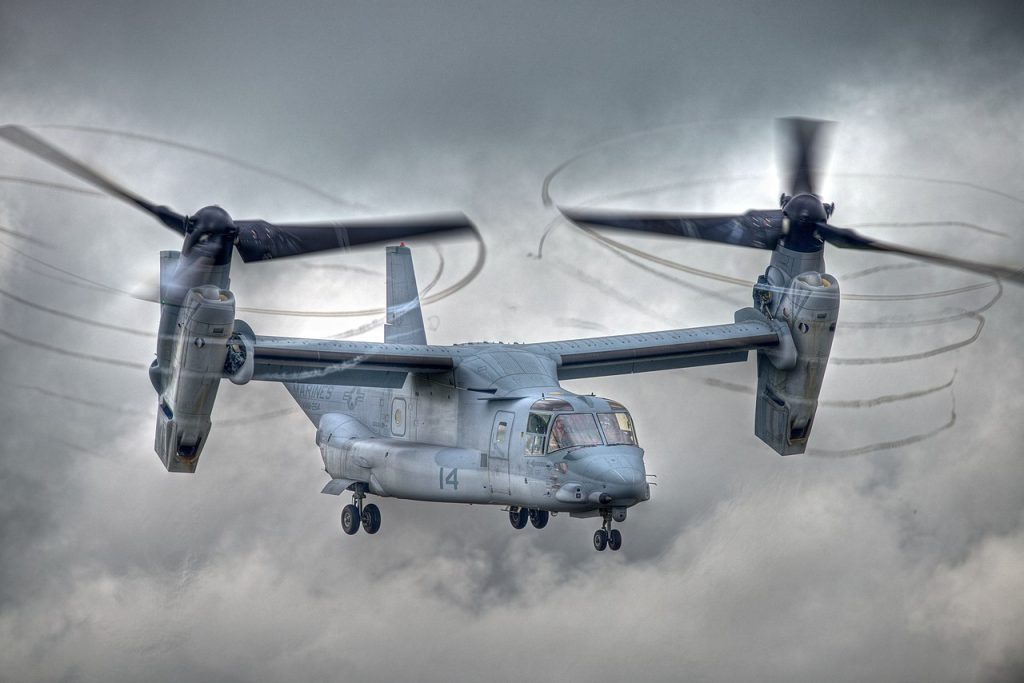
(600, 539)
(370, 518)
(350, 519)
(518, 517)
(538, 518)
(614, 539)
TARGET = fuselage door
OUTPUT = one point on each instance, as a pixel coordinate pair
(497, 458)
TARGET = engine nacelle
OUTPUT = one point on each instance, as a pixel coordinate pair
(205, 323)
(789, 378)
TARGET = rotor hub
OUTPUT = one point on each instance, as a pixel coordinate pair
(210, 232)
(212, 220)
(805, 208)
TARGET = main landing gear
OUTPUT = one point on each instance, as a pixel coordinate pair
(520, 516)
(356, 514)
(606, 536)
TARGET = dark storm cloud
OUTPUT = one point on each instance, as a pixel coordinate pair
(900, 565)
(430, 74)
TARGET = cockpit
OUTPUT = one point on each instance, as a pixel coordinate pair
(554, 424)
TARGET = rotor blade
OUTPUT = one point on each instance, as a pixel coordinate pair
(259, 240)
(803, 144)
(34, 144)
(755, 228)
(848, 239)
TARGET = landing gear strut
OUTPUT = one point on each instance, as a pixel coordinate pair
(606, 536)
(356, 514)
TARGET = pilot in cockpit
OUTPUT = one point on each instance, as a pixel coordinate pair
(559, 438)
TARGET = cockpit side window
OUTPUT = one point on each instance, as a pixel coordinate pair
(536, 433)
(578, 429)
(617, 429)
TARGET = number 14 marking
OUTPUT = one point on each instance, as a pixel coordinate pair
(451, 478)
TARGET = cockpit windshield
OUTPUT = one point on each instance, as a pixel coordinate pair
(577, 429)
(617, 428)
(546, 432)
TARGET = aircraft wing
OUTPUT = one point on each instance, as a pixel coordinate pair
(628, 353)
(367, 364)
(376, 364)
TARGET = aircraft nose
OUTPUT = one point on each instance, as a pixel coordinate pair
(623, 483)
(621, 475)
(615, 470)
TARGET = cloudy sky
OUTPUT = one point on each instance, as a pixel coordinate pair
(894, 551)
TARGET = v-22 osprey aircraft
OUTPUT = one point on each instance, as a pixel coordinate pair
(486, 423)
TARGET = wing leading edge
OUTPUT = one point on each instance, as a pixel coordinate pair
(666, 350)
(368, 364)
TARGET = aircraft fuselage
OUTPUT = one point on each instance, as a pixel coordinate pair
(542, 448)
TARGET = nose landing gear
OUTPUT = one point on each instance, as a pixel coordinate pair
(356, 514)
(370, 518)
(606, 536)
(350, 519)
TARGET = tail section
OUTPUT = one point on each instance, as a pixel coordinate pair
(404, 323)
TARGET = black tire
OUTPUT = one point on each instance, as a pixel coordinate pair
(371, 518)
(518, 517)
(538, 518)
(614, 539)
(350, 519)
(600, 539)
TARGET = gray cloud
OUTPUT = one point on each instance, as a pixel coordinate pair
(904, 564)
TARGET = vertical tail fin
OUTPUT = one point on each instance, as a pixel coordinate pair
(404, 323)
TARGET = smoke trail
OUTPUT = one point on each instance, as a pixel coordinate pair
(76, 318)
(99, 285)
(885, 445)
(917, 356)
(240, 163)
(613, 292)
(22, 236)
(929, 321)
(18, 180)
(547, 201)
(259, 417)
(72, 354)
(459, 285)
(124, 410)
(77, 400)
(581, 324)
(847, 403)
